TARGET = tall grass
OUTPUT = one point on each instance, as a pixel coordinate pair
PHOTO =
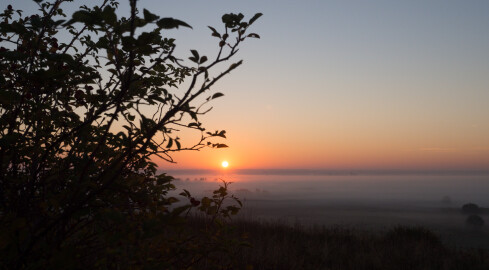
(274, 245)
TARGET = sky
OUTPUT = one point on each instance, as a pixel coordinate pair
(345, 84)
(351, 85)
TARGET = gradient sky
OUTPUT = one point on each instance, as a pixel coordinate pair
(346, 84)
(351, 84)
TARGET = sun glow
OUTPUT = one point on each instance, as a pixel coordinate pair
(225, 164)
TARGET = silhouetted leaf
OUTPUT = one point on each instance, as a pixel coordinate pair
(148, 16)
(216, 95)
(109, 15)
(231, 20)
(193, 115)
(222, 134)
(253, 35)
(170, 23)
(170, 143)
(235, 65)
(214, 32)
(195, 54)
(82, 16)
(254, 18)
(185, 193)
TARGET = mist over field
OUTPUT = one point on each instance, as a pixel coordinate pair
(413, 188)
(369, 200)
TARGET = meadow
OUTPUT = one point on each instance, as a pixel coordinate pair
(308, 223)
(274, 245)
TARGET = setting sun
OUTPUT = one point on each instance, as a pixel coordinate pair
(225, 164)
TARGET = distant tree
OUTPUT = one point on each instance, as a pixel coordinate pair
(470, 208)
(85, 104)
(475, 221)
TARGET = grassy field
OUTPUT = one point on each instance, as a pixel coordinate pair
(320, 231)
(278, 246)
(447, 222)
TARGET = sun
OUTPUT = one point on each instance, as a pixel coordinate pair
(225, 164)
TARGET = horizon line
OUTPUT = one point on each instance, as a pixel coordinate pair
(300, 171)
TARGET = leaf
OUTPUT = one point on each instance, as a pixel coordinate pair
(235, 65)
(131, 117)
(216, 95)
(193, 115)
(214, 32)
(221, 145)
(253, 35)
(232, 20)
(170, 143)
(109, 15)
(185, 193)
(257, 15)
(203, 59)
(81, 16)
(222, 134)
(170, 23)
(148, 16)
(195, 53)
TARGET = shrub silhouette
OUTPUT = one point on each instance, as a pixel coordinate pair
(85, 104)
(470, 208)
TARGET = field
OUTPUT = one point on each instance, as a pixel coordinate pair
(356, 222)
(277, 246)
(448, 222)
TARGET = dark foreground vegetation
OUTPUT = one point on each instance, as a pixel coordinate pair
(276, 246)
(88, 102)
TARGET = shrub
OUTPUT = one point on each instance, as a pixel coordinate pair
(85, 104)
(470, 208)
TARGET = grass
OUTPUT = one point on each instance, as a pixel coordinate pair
(278, 246)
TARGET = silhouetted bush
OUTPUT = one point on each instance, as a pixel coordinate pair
(470, 208)
(86, 104)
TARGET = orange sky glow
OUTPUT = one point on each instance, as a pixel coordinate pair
(378, 85)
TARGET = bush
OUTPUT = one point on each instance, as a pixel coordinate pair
(85, 104)
(470, 208)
